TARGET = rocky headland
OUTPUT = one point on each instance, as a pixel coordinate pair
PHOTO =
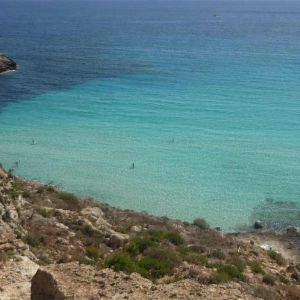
(6, 64)
(56, 246)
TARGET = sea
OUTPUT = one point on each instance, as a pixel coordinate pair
(180, 108)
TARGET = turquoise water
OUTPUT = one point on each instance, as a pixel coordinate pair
(203, 97)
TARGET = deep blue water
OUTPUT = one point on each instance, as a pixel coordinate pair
(203, 97)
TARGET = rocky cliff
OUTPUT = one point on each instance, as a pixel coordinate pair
(6, 64)
(54, 245)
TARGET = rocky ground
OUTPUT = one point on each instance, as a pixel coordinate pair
(54, 245)
(6, 64)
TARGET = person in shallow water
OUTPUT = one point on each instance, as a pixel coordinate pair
(33, 142)
(132, 166)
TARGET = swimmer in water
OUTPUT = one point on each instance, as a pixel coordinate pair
(132, 166)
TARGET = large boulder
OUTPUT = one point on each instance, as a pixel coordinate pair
(64, 281)
(117, 240)
(45, 286)
(6, 64)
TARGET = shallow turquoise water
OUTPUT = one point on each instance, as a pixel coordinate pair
(206, 107)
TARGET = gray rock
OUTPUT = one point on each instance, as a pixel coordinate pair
(94, 212)
(295, 275)
(117, 240)
(258, 225)
(136, 229)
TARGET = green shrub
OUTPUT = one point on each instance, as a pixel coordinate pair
(201, 223)
(272, 254)
(82, 260)
(152, 238)
(88, 230)
(50, 188)
(228, 272)
(44, 261)
(153, 267)
(232, 270)
(69, 198)
(165, 257)
(276, 256)
(138, 245)
(92, 252)
(256, 267)
(212, 265)
(183, 250)
(196, 258)
(42, 211)
(164, 254)
(159, 235)
(86, 233)
(89, 236)
(237, 262)
(283, 279)
(217, 278)
(34, 240)
(157, 262)
(120, 261)
(269, 279)
(175, 238)
(218, 253)
(156, 235)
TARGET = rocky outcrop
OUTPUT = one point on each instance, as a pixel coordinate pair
(6, 64)
(74, 281)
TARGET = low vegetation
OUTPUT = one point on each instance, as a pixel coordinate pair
(153, 255)
(43, 212)
(92, 252)
(266, 293)
(71, 201)
(201, 223)
(34, 239)
(256, 267)
(227, 272)
(276, 256)
(120, 261)
(269, 279)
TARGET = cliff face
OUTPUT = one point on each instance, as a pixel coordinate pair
(54, 245)
(6, 64)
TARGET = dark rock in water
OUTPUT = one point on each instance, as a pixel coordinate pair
(276, 215)
(258, 225)
(6, 64)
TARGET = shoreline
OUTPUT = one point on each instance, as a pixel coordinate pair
(50, 236)
(285, 241)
